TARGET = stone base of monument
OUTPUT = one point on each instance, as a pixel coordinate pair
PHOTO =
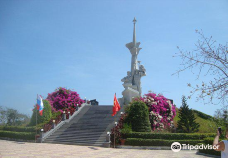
(128, 94)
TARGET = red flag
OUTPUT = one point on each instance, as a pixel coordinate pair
(116, 106)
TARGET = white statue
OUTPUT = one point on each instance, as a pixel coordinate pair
(132, 83)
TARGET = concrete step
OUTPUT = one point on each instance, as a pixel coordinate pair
(89, 127)
(76, 137)
(80, 131)
(75, 140)
(83, 144)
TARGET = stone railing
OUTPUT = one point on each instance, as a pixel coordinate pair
(52, 123)
(50, 128)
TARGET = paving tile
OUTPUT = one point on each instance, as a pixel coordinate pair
(12, 149)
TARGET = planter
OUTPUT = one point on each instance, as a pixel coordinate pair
(122, 141)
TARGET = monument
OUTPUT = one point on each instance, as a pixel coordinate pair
(132, 82)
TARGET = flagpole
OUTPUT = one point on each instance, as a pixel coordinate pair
(114, 131)
(115, 128)
(36, 119)
(116, 108)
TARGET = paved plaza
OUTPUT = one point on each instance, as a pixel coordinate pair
(13, 149)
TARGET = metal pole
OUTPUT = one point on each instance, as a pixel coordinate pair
(115, 131)
(114, 136)
(36, 119)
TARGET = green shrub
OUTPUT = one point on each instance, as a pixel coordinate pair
(208, 140)
(55, 115)
(138, 117)
(45, 117)
(126, 129)
(158, 142)
(18, 135)
(210, 152)
(18, 129)
(126, 108)
(47, 114)
(170, 136)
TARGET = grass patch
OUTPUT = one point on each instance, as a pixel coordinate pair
(207, 124)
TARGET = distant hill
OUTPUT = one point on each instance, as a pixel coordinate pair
(207, 122)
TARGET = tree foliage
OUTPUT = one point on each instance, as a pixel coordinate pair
(187, 122)
(12, 117)
(2, 116)
(64, 99)
(210, 60)
(138, 117)
(161, 111)
(221, 116)
(47, 114)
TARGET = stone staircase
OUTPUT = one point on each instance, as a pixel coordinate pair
(88, 127)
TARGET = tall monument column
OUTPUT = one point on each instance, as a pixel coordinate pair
(132, 82)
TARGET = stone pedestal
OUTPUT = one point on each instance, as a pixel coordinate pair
(129, 94)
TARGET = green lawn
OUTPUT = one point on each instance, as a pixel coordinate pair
(207, 125)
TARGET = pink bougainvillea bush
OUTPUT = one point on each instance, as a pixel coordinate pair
(162, 111)
(64, 99)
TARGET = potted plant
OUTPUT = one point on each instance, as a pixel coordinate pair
(124, 131)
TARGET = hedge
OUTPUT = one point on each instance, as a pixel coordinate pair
(170, 136)
(18, 135)
(210, 152)
(208, 140)
(158, 142)
(18, 128)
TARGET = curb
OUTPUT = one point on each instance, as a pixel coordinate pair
(144, 147)
(17, 140)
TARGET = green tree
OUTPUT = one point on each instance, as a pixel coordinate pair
(138, 117)
(2, 116)
(47, 114)
(12, 117)
(221, 116)
(187, 122)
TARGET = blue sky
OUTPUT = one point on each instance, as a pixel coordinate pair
(80, 45)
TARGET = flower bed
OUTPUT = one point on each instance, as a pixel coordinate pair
(64, 100)
(161, 111)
